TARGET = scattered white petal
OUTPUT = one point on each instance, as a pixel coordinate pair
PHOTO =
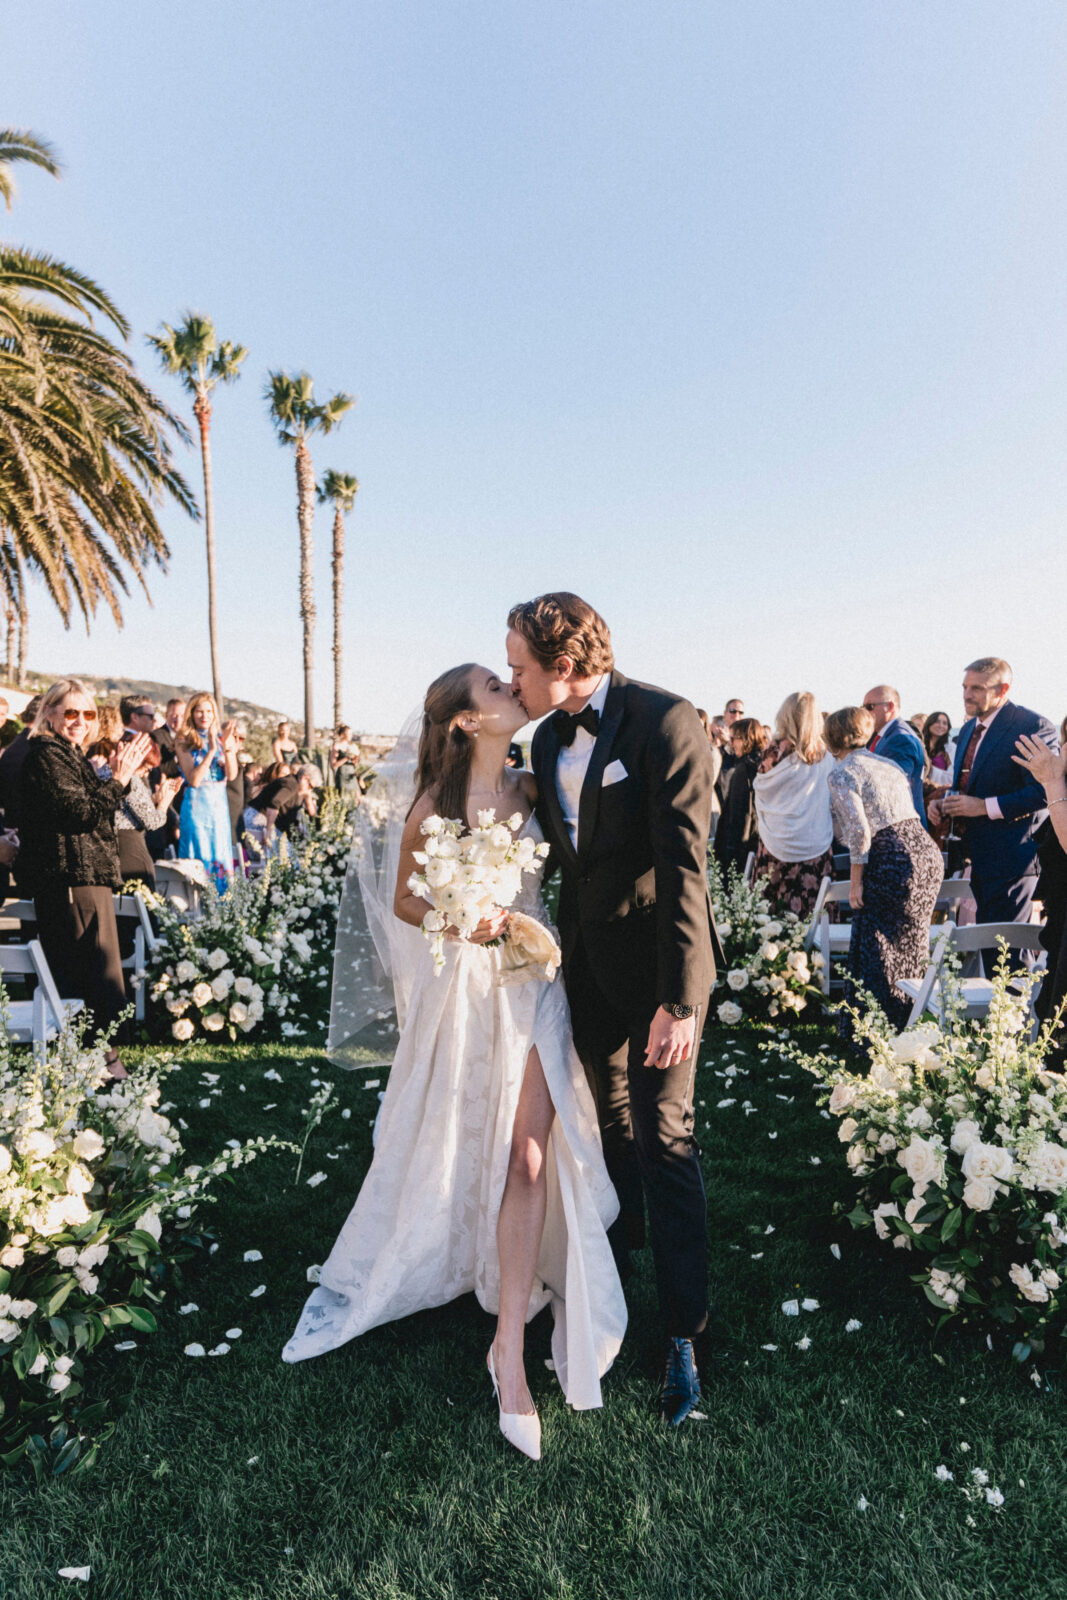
(203, 1104)
(262, 1289)
(964, 1446)
(790, 1308)
(195, 1350)
(769, 1228)
(186, 1311)
(253, 1255)
(372, 1083)
(272, 1107)
(185, 1212)
(809, 1304)
(127, 1344)
(315, 1179)
(757, 1255)
(288, 1550)
(233, 1333)
(994, 1497)
(772, 1136)
(550, 1364)
(726, 1102)
(816, 1161)
(347, 1112)
(697, 1416)
(862, 1503)
(252, 1460)
(213, 1248)
(853, 1325)
(80, 1573)
(768, 1347)
(314, 1273)
(943, 1475)
(222, 1349)
(804, 1344)
(272, 1076)
(835, 1251)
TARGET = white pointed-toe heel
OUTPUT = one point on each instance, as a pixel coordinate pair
(521, 1430)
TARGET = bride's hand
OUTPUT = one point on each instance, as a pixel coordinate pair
(490, 928)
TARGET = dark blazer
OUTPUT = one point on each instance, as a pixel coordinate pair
(738, 833)
(67, 826)
(899, 743)
(1005, 851)
(635, 891)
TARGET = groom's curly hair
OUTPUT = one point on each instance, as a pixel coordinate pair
(562, 624)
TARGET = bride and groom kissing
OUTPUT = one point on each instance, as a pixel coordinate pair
(528, 1130)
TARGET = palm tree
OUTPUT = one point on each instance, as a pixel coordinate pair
(195, 354)
(291, 403)
(341, 489)
(84, 444)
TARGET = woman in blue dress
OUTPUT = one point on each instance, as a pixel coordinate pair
(207, 756)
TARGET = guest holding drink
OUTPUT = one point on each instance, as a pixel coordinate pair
(207, 756)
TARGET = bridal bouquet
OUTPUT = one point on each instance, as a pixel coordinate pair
(957, 1134)
(467, 876)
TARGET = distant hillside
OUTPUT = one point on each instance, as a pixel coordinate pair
(114, 688)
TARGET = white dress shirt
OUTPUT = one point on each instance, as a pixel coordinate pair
(573, 763)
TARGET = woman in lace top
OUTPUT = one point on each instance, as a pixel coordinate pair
(896, 867)
(142, 812)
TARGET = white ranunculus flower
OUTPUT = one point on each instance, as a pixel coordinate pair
(88, 1145)
(515, 821)
(1047, 1167)
(217, 959)
(985, 1078)
(919, 1117)
(980, 1194)
(432, 826)
(214, 1021)
(738, 979)
(202, 995)
(1024, 1280)
(965, 1133)
(730, 1013)
(987, 1161)
(923, 1161)
(79, 1179)
(438, 873)
(220, 986)
(182, 1030)
(185, 972)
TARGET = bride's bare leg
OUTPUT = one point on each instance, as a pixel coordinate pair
(518, 1232)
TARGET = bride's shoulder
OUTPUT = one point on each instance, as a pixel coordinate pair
(423, 808)
(526, 784)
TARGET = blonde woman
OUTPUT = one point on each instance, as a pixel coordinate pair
(792, 797)
(283, 746)
(207, 756)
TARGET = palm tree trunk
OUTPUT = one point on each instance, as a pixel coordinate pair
(12, 617)
(338, 595)
(24, 643)
(305, 511)
(202, 413)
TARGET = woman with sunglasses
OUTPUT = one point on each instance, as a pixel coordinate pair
(68, 858)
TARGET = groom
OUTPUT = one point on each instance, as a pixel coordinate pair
(625, 780)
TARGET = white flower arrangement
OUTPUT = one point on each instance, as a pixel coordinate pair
(958, 1135)
(259, 959)
(768, 971)
(466, 875)
(90, 1171)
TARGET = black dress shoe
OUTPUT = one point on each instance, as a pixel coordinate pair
(680, 1393)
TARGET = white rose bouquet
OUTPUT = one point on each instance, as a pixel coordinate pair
(958, 1136)
(768, 971)
(465, 876)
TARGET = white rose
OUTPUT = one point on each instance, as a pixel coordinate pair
(79, 1179)
(8, 1330)
(888, 1208)
(849, 1127)
(1047, 1167)
(730, 1013)
(886, 1143)
(911, 1211)
(202, 995)
(1024, 1281)
(771, 951)
(919, 1118)
(965, 1134)
(856, 1156)
(985, 1078)
(39, 1366)
(59, 1381)
(217, 959)
(185, 972)
(13, 1256)
(979, 1194)
(68, 1256)
(737, 980)
(214, 1021)
(36, 1144)
(182, 1030)
(243, 987)
(149, 1223)
(220, 986)
(238, 1012)
(1050, 1277)
(843, 1096)
(923, 1162)
(88, 1145)
(986, 1161)
(73, 1210)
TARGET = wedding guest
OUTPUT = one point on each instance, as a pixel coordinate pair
(12, 761)
(172, 721)
(1000, 807)
(1048, 769)
(894, 739)
(937, 775)
(288, 801)
(896, 868)
(918, 722)
(734, 711)
(796, 833)
(283, 746)
(207, 756)
(108, 722)
(68, 857)
(138, 714)
(236, 787)
(737, 835)
(9, 728)
(140, 812)
(715, 752)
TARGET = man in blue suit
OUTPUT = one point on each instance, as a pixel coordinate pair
(897, 740)
(1000, 804)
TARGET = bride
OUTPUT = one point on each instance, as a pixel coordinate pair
(488, 1173)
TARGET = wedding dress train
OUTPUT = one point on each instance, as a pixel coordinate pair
(423, 1228)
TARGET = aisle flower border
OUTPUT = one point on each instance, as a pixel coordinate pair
(768, 973)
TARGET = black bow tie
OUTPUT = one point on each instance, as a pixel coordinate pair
(568, 725)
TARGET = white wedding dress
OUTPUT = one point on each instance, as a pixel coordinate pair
(423, 1228)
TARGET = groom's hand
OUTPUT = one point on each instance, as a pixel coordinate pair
(670, 1040)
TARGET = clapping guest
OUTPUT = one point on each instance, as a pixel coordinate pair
(1049, 768)
(896, 868)
(207, 756)
(68, 858)
(737, 834)
(108, 722)
(142, 812)
(792, 797)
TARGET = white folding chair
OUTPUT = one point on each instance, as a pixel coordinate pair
(816, 914)
(975, 989)
(832, 938)
(131, 908)
(953, 893)
(749, 864)
(182, 882)
(920, 991)
(39, 1020)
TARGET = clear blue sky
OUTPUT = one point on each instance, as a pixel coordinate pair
(746, 320)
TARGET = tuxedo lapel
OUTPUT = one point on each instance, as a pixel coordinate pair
(609, 726)
(546, 780)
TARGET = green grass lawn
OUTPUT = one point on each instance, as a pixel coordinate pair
(378, 1472)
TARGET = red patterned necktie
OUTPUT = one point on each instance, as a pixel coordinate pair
(968, 758)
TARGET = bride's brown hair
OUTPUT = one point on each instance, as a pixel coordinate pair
(443, 766)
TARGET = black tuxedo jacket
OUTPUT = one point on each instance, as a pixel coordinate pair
(635, 891)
